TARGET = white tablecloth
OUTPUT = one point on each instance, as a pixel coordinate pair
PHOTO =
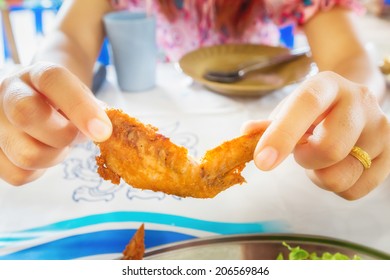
(72, 213)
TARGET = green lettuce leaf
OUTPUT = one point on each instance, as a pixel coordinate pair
(297, 253)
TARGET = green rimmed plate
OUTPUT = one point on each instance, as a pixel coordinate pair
(259, 247)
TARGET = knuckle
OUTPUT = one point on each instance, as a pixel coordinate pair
(355, 193)
(20, 177)
(5, 82)
(327, 76)
(19, 102)
(313, 93)
(21, 110)
(367, 99)
(324, 79)
(333, 152)
(336, 184)
(47, 75)
(350, 196)
(29, 159)
(366, 94)
(311, 96)
(342, 183)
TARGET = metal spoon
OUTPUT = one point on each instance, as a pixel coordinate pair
(241, 72)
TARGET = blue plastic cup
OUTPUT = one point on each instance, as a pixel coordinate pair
(132, 38)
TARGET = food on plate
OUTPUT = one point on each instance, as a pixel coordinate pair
(146, 159)
(135, 249)
(297, 253)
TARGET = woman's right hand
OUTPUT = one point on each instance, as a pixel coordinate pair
(44, 107)
(320, 122)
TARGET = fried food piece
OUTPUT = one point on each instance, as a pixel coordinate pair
(135, 249)
(147, 160)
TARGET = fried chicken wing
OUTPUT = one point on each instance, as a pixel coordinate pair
(146, 159)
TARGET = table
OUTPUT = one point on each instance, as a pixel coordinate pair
(71, 213)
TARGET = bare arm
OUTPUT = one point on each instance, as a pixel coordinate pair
(76, 39)
(337, 46)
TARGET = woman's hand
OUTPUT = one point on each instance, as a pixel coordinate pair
(43, 109)
(320, 122)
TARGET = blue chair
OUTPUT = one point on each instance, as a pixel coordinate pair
(287, 36)
(37, 7)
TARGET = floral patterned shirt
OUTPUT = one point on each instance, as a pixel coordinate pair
(187, 33)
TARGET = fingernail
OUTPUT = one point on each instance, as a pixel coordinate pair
(99, 130)
(266, 159)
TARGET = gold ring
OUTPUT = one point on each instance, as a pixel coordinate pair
(361, 156)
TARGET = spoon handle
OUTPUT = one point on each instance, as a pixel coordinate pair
(275, 60)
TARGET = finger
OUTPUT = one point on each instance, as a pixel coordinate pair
(370, 178)
(15, 175)
(27, 153)
(73, 98)
(278, 108)
(348, 177)
(28, 111)
(300, 111)
(254, 125)
(281, 106)
(338, 177)
(333, 138)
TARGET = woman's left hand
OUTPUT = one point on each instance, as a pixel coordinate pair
(320, 123)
